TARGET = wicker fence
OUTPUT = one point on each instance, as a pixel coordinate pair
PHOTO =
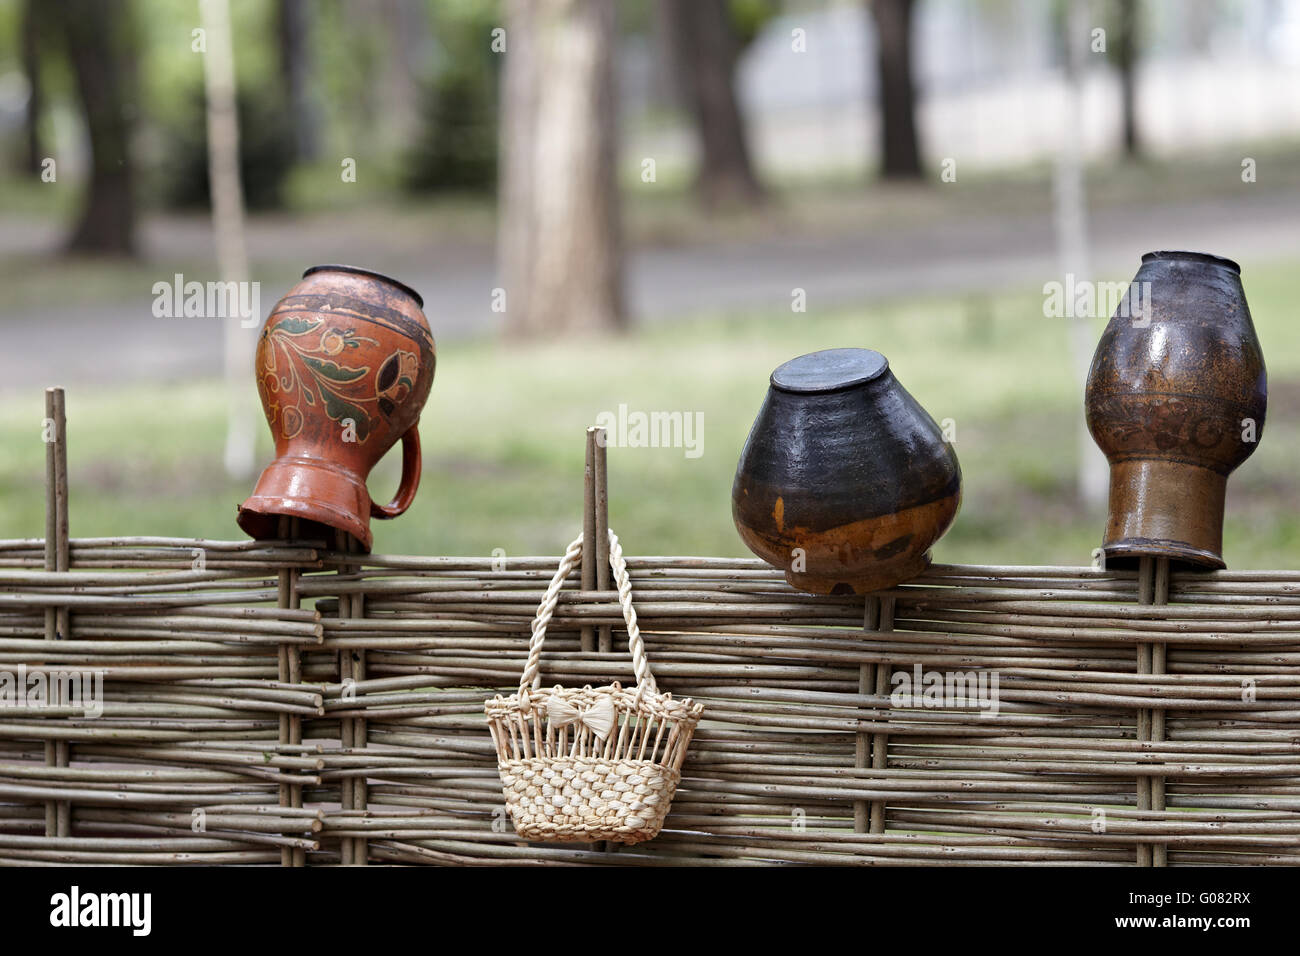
(237, 727)
(289, 703)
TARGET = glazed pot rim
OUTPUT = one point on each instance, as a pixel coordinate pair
(1184, 255)
(870, 365)
(358, 270)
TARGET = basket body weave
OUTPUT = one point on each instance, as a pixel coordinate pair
(587, 764)
(574, 786)
(588, 798)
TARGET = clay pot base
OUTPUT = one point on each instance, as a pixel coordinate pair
(1165, 509)
(266, 527)
(856, 558)
(1127, 554)
(887, 575)
(311, 489)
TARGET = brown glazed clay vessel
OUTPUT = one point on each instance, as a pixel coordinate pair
(845, 481)
(1176, 399)
(344, 365)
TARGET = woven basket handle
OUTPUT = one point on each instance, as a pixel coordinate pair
(532, 677)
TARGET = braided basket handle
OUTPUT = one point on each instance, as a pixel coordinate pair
(532, 677)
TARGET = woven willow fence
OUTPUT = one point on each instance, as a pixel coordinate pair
(355, 731)
(285, 703)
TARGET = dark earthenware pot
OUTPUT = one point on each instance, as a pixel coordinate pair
(844, 465)
(344, 364)
(1176, 400)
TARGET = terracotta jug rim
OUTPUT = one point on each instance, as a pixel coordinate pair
(1188, 256)
(357, 270)
(829, 370)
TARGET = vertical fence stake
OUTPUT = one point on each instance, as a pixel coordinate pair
(588, 566)
(600, 481)
(284, 595)
(58, 814)
(1159, 653)
(52, 436)
(600, 510)
(866, 686)
(343, 542)
(880, 741)
(290, 672)
(1153, 589)
(361, 845)
(295, 721)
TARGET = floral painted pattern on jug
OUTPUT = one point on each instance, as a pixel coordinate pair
(301, 368)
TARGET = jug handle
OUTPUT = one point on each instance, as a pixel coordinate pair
(411, 462)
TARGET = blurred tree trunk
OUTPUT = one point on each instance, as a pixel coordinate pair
(1073, 245)
(35, 98)
(406, 27)
(227, 192)
(293, 28)
(560, 248)
(896, 94)
(702, 51)
(98, 39)
(1126, 46)
(389, 40)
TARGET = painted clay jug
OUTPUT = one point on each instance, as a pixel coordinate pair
(1176, 399)
(344, 365)
(845, 481)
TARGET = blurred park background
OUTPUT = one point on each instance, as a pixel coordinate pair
(649, 203)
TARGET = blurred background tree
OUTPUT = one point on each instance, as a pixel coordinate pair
(32, 42)
(98, 38)
(267, 150)
(561, 247)
(294, 35)
(896, 89)
(1124, 47)
(455, 147)
(703, 45)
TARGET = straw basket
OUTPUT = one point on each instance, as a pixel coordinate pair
(596, 763)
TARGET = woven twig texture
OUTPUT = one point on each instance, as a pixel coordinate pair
(808, 751)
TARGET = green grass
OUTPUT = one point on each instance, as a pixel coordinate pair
(503, 437)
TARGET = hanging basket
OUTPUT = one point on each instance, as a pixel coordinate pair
(590, 763)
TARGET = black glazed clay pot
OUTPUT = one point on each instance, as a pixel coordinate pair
(1176, 400)
(845, 481)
